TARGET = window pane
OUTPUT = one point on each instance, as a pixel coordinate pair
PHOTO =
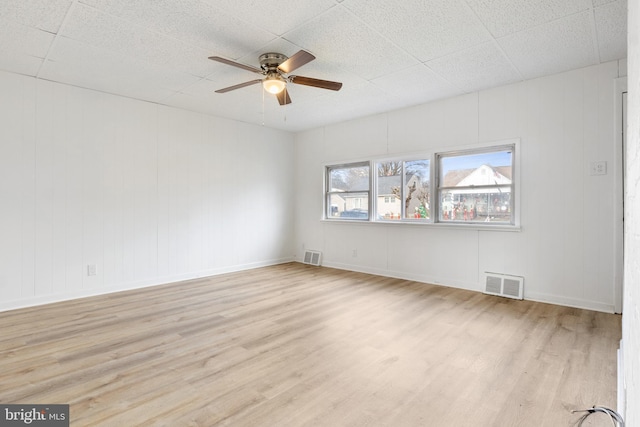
(349, 178)
(348, 191)
(389, 198)
(476, 187)
(417, 193)
(492, 168)
(476, 206)
(349, 205)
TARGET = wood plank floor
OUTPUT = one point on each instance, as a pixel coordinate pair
(294, 345)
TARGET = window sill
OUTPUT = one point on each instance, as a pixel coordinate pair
(437, 225)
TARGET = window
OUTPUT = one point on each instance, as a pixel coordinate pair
(476, 186)
(402, 190)
(455, 187)
(347, 195)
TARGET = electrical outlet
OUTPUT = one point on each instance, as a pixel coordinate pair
(91, 270)
(354, 253)
(598, 168)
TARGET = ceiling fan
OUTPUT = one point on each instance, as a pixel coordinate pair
(275, 68)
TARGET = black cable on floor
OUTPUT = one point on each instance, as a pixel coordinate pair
(616, 419)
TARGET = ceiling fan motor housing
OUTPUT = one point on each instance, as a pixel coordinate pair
(270, 61)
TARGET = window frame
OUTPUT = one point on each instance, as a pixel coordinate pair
(439, 187)
(403, 184)
(328, 193)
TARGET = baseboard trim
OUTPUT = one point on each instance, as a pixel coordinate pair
(569, 302)
(458, 284)
(128, 286)
(471, 286)
(474, 286)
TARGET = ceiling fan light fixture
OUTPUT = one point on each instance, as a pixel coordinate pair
(273, 84)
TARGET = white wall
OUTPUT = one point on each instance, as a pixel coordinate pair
(631, 311)
(564, 122)
(149, 194)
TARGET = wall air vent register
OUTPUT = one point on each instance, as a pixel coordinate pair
(504, 285)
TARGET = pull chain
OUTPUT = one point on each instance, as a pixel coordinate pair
(262, 90)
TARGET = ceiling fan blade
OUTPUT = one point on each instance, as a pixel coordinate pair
(296, 61)
(238, 86)
(308, 81)
(235, 64)
(283, 97)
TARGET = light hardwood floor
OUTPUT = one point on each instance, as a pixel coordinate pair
(294, 345)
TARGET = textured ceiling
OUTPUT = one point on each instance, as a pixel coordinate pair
(388, 53)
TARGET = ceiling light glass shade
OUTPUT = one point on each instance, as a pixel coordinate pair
(273, 84)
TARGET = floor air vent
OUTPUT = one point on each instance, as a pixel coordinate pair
(504, 285)
(311, 257)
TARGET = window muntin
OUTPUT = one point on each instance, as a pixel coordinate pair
(347, 194)
(476, 186)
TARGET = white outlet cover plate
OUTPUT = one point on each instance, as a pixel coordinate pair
(598, 168)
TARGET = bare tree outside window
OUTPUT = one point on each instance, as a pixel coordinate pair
(417, 189)
(389, 168)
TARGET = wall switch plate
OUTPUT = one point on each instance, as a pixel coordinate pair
(598, 168)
